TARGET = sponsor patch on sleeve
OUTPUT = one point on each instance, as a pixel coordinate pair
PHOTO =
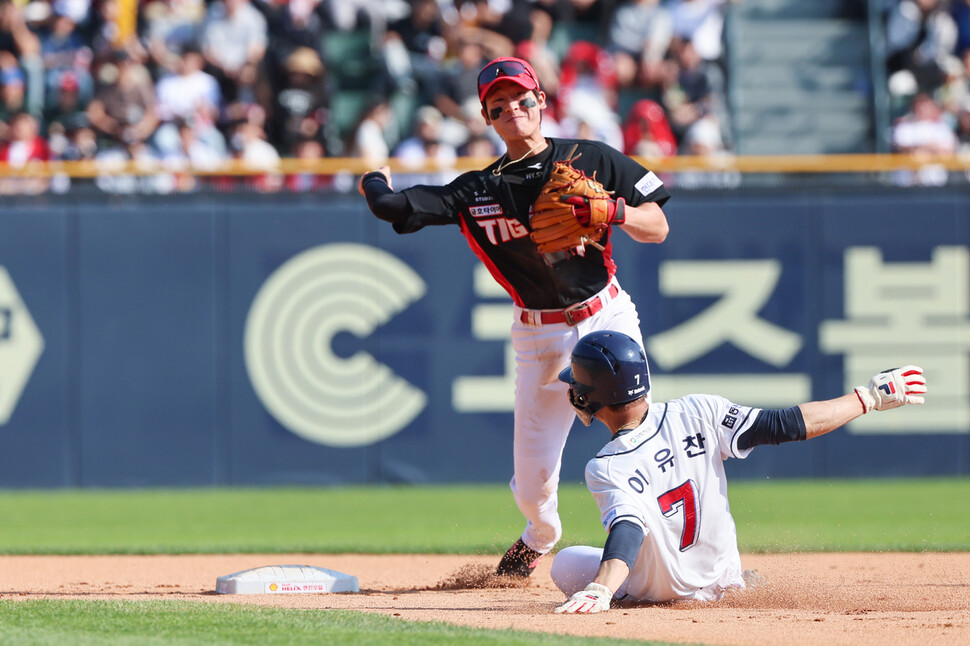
(649, 183)
(729, 421)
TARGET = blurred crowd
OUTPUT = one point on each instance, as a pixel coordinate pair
(200, 82)
(203, 81)
(928, 66)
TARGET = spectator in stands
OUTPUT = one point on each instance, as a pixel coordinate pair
(704, 139)
(954, 93)
(65, 51)
(24, 142)
(81, 143)
(12, 96)
(497, 26)
(191, 150)
(60, 117)
(590, 120)
(234, 41)
(293, 25)
(457, 94)
(169, 27)
(309, 150)
(596, 13)
(369, 139)
(415, 47)
(920, 36)
(249, 144)
(700, 22)
(300, 106)
(123, 108)
(695, 89)
(103, 33)
(23, 145)
(350, 15)
(588, 92)
(924, 131)
(479, 146)
(646, 131)
(425, 144)
(188, 95)
(20, 48)
(639, 38)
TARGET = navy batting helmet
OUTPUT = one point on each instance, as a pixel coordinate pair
(606, 368)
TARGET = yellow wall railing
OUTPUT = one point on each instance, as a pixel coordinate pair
(357, 166)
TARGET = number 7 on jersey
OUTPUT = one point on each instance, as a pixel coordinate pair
(683, 498)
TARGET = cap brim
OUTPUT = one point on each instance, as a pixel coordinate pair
(566, 375)
(523, 81)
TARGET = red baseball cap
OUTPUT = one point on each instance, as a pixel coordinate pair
(507, 68)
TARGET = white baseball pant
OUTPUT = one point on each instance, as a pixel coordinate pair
(543, 414)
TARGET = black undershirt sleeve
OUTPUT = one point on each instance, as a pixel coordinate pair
(774, 427)
(623, 542)
(383, 201)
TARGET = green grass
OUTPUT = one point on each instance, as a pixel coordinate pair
(852, 515)
(180, 623)
(772, 516)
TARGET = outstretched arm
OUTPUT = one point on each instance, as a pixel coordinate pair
(821, 417)
(889, 389)
(376, 187)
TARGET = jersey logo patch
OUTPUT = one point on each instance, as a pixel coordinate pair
(649, 183)
(729, 421)
(485, 210)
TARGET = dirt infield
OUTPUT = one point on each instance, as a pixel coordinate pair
(806, 599)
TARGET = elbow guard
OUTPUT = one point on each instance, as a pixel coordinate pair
(623, 543)
(774, 427)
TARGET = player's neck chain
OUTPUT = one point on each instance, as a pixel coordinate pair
(626, 428)
(502, 166)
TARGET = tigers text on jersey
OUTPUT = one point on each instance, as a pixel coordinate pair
(667, 476)
(493, 212)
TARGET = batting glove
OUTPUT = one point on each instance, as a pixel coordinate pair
(595, 598)
(893, 388)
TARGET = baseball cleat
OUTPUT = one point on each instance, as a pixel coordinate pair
(519, 561)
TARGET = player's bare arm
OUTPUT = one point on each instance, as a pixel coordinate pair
(646, 223)
(619, 555)
(612, 573)
(888, 389)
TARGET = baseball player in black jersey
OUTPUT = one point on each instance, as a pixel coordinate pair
(558, 296)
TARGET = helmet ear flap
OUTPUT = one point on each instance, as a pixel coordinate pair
(580, 403)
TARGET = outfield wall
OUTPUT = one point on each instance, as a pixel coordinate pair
(248, 340)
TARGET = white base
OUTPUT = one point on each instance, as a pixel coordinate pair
(286, 579)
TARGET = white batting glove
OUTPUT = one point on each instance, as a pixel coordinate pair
(595, 598)
(893, 388)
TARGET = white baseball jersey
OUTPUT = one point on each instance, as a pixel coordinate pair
(667, 476)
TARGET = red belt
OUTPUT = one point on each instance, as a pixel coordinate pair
(573, 314)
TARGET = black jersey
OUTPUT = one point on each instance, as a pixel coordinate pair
(493, 213)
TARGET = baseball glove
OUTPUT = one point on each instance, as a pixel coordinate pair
(572, 210)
